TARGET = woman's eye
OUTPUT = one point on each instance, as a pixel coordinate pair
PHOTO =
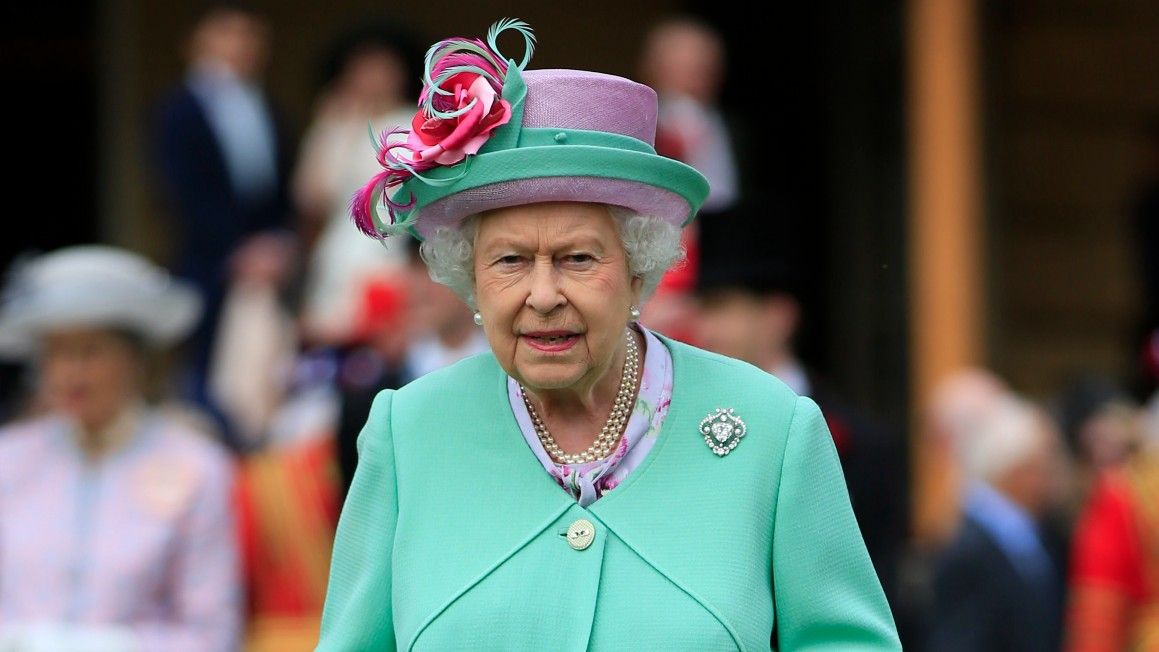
(511, 259)
(579, 259)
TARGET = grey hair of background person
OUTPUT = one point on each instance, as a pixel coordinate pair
(1012, 431)
(651, 244)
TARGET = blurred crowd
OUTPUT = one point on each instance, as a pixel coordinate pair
(1051, 544)
(181, 440)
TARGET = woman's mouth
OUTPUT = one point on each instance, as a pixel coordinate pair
(551, 342)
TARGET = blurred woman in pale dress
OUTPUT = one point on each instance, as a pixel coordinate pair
(116, 526)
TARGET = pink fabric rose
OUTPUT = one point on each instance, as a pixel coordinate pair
(447, 141)
(463, 77)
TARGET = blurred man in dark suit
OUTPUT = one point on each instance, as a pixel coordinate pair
(998, 586)
(222, 163)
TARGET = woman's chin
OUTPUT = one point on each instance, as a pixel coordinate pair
(74, 409)
(549, 375)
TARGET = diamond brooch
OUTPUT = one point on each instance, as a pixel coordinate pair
(722, 430)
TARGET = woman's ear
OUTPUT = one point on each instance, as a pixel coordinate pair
(637, 288)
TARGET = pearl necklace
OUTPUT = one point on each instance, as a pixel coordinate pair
(610, 434)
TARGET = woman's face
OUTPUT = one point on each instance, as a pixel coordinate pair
(553, 287)
(90, 374)
(374, 76)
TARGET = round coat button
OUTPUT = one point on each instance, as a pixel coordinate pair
(580, 534)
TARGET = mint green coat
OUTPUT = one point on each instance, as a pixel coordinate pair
(453, 534)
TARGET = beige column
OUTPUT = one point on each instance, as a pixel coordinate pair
(945, 229)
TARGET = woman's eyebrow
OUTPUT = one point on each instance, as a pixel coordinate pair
(583, 241)
(504, 243)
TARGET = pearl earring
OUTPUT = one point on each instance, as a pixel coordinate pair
(635, 313)
(478, 318)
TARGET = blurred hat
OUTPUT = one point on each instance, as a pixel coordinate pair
(382, 306)
(739, 251)
(748, 274)
(754, 246)
(94, 285)
(491, 135)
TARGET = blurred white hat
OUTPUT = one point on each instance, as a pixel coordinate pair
(94, 285)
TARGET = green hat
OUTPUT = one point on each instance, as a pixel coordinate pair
(492, 135)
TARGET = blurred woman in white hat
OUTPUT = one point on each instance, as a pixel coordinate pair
(116, 524)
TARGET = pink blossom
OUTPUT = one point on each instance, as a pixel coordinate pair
(446, 141)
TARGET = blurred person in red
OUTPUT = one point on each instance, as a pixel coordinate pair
(367, 82)
(381, 364)
(291, 490)
(292, 402)
(1114, 574)
(684, 60)
(998, 584)
(432, 330)
(222, 160)
(288, 505)
(750, 310)
(116, 528)
(1102, 427)
(284, 404)
(290, 487)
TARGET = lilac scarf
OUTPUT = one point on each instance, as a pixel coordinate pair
(589, 481)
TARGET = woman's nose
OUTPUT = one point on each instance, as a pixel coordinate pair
(545, 293)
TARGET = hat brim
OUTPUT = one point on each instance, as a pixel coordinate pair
(161, 320)
(645, 183)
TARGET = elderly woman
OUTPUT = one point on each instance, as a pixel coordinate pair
(587, 483)
(116, 531)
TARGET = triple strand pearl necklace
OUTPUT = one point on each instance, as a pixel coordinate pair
(609, 436)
